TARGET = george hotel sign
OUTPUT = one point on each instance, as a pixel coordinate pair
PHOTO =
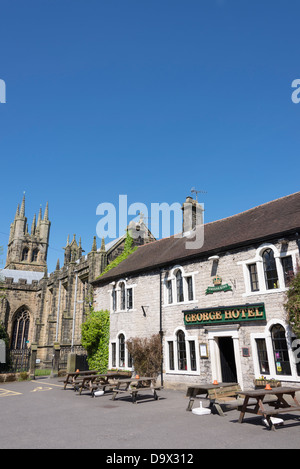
(225, 314)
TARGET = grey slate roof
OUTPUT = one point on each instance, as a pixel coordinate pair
(278, 217)
(21, 274)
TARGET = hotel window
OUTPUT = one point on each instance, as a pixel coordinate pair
(179, 286)
(193, 355)
(169, 292)
(171, 355)
(253, 277)
(122, 296)
(113, 355)
(121, 351)
(270, 269)
(280, 350)
(181, 349)
(262, 356)
(129, 298)
(114, 300)
(189, 281)
(288, 270)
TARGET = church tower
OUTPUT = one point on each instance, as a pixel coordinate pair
(28, 251)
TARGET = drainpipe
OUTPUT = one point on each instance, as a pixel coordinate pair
(74, 312)
(160, 324)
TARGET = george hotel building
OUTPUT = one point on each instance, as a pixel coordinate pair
(219, 305)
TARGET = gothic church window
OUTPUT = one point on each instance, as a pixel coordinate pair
(20, 330)
(25, 254)
(35, 255)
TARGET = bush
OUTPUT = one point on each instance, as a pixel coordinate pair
(146, 354)
(95, 339)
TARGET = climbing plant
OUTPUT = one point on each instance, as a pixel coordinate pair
(128, 250)
(95, 339)
(292, 305)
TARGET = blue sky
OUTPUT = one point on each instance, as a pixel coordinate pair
(147, 99)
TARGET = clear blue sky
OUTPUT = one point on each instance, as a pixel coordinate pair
(148, 99)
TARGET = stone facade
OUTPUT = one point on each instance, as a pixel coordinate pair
(44, 308)
(196, 347)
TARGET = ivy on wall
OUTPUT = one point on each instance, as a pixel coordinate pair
(95, 339)
(292, 304)
(128, 249)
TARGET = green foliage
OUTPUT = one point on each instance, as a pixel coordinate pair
(146, 354)
(95, 339)
(128, 249)
(292, 304)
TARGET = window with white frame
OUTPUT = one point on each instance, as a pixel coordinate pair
(273, 353)
(182, 354)
(121, 296)
(270, 270)
(179, 286)
(119, 355)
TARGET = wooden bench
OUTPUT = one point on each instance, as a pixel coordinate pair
(224, 395)
(133, 387)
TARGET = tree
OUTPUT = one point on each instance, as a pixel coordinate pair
(292, 305)
(146, 354)
(95, 339)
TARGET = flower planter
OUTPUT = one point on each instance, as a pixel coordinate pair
(261, 383)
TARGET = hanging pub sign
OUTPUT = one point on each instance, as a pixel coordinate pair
(225, 314)
(217, 281)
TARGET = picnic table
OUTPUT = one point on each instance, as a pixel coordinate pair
(280, 403)
(135, 386)
(71, 377)
(216, 393)
(96, 382)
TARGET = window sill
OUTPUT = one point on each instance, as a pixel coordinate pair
(182, 372)
(181, 303)
(266, 292)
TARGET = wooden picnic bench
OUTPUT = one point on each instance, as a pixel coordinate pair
(97, 382)
(135, 386)
(280, 404)
(71, 377)
(217, 394)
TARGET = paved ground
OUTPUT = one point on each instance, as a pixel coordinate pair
(40, 414)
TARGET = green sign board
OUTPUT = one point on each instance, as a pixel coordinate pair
(225, 315)
(216, 288)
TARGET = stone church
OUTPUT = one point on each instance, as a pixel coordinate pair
(41, 308)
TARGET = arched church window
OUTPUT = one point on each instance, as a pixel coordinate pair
(20, 330)
(25, 254)
(35, 253)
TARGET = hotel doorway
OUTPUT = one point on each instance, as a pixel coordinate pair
(227, 360)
